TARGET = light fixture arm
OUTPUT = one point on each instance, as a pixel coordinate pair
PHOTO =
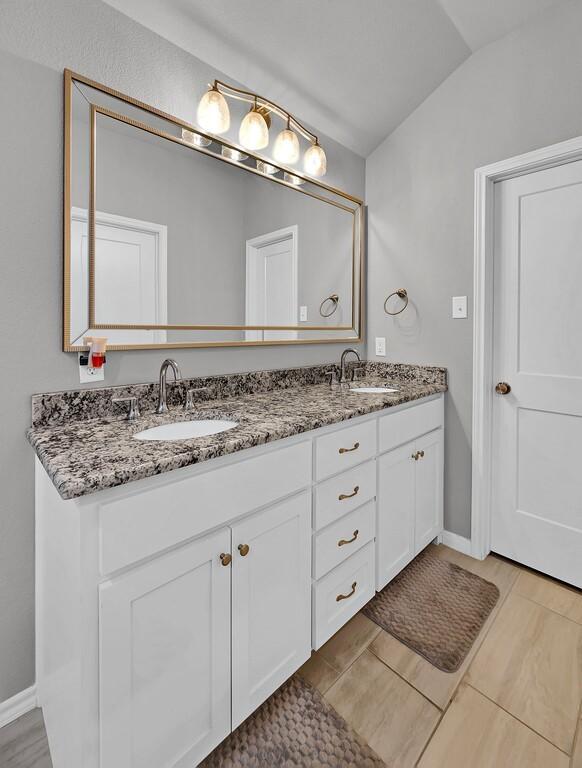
(253, 98)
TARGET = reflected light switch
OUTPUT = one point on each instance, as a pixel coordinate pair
(459, 307)
(302, 314)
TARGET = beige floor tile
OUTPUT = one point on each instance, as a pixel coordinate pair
(530, 664)
(347, 644)
(475, 733)
(551, 594)
(439, 686)
(319, 673)
(389, 714)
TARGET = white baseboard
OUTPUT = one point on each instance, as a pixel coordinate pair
(454, 541)
(18, 705)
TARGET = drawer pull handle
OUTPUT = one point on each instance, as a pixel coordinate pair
(352, 592)
(243, 549)
(225, 558)
(418, 455)
(342, 542)
(349, 450)
(344, 496)
(421, 454)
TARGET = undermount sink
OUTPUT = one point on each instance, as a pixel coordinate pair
(372, 390)
(185, 430)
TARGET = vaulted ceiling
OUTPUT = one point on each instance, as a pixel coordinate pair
(353, 69)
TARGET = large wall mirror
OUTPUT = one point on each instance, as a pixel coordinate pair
(168, 243)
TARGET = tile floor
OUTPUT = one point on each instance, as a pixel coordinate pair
(514, 703)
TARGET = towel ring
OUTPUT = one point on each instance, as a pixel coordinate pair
(402, 293)
(334, 298)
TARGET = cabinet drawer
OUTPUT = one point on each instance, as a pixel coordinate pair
(341, 494)
(353, 583)
(344, 537)
(402, 426)
(343, 449)
(147, 521)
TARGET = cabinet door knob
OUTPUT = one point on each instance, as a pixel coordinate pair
(342, 542)
(225, 558)
(243, 549)
(349, 450)
(352, 591)
(415, 456)
(343, 496)
(503, 388)
(421, 454)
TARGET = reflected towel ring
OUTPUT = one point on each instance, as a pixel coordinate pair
(402, 293)
(334, 298)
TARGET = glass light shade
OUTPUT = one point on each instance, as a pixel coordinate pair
(213, 114)
(233, 154)
(266, 167)
(286, 149)
(315, 161)
(195, 138)
(253, 132)
(297, 181)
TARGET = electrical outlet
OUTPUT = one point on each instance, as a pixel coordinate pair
(381, 346)
(302, 314)
(459, 307)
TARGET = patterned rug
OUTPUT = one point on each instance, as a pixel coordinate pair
(436, 608)
(295, 728)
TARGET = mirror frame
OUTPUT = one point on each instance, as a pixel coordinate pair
(355, 206)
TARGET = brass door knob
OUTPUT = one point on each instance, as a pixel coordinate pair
(243, 549)
(225, 558)
(503, 388)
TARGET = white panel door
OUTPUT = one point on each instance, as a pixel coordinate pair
(537, 426)
(271, 603)
(429, 488)
(165, 659)
(396, 500)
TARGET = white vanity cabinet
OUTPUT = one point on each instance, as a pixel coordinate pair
(170, 608)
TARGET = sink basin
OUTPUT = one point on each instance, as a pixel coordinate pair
(372, 390)
(184, 430)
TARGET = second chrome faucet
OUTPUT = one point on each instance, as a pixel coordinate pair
(162, 400)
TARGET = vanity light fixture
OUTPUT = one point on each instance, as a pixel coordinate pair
(213, 115)
(195, 138)
(267, 168)
(290, 178)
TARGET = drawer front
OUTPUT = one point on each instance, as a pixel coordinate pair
(342, 494)
(148, 521)
(344, 537)
(400, 427)
(343, 449)
(341, 594)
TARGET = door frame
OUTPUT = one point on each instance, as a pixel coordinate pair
(253, 246)
(482, 458)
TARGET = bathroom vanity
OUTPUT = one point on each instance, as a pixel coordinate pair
(170, 606)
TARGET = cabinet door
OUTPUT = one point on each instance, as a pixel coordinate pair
(271, 605)
(396, 502)
(165, 658)
(429, 488)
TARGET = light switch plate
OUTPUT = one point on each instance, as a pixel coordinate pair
(302, 314)
(459, 307)
(380, 346)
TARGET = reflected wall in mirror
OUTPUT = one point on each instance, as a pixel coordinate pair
(171, 244)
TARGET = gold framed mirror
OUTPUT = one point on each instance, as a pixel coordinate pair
(177, 238)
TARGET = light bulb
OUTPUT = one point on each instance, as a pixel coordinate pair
(286, 149)
(253, 133)
(213, 114)
(315, 161)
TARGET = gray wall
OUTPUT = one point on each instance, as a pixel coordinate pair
(37, 40)
(515, 95)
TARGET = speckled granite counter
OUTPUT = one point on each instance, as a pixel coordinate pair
(85, 448)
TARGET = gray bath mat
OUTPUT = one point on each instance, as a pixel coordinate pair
(436, 608)
(295, 728)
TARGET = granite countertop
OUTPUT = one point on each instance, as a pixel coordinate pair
(86, 455)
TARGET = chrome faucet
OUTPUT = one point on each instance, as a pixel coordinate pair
(162, 402)
(345, 353)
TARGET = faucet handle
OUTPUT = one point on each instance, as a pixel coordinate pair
(133, 410)
(190, 395)
(333, 380)
(357, 372)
